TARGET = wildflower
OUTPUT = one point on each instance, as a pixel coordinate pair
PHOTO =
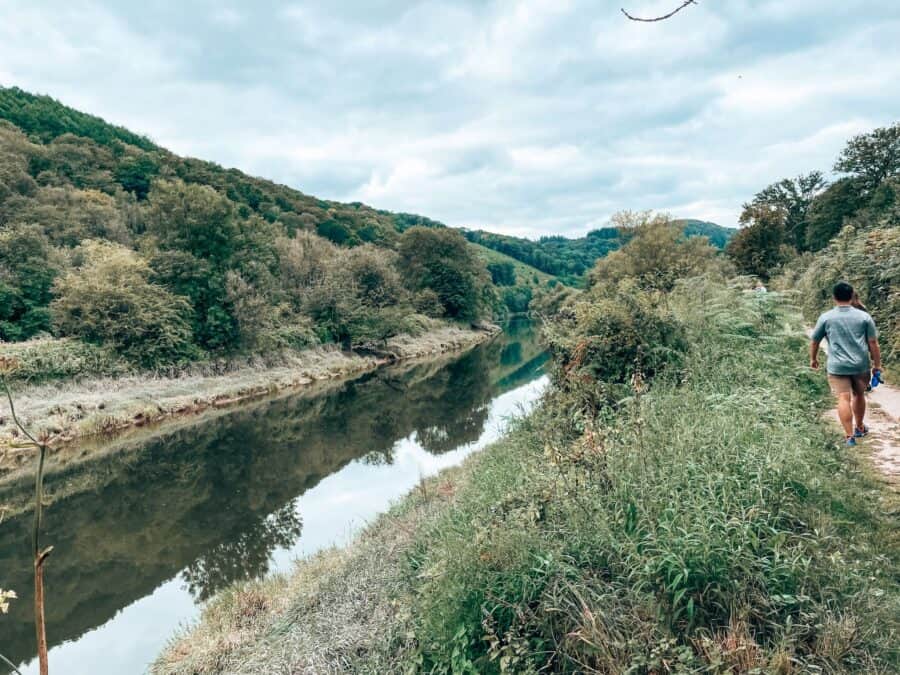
(9, 365)
(5, 597)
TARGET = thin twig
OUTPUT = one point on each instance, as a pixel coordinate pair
(39, 555)
(664, 16)
(12, 409)
(10, 664)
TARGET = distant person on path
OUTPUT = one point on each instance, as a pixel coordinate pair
(852, 337)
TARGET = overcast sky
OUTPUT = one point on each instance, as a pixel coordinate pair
(523, 116)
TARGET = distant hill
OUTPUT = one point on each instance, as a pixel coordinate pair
(718, 236)
(47, 121)
(569, 259)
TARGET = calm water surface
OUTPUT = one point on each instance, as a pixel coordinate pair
(144, 536)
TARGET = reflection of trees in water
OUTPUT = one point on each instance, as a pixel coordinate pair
(246, 555)
(198, 498)
(511, 354)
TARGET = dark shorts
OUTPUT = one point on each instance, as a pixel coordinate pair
(845, 384)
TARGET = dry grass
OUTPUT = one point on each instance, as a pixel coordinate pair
(335, 611)
(74, 409)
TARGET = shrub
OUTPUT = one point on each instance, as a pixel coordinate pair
(108, 299)
(600, 343)
(655, 257)
(63, 358)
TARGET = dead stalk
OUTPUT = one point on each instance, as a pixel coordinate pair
(40, 556)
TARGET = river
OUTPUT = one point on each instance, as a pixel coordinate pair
(157, 524)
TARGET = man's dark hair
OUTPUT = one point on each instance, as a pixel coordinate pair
(843, 291)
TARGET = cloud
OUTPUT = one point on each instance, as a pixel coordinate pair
(524, 116)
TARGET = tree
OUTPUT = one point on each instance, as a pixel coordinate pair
(135, 174)
(375, 277)
(656, 256)
(442, 260)
(830, 209)
(872, 157)
(192, 218)
(793, 196)
(761, 245)
(502, 273)
(27, 271)
(109, 299)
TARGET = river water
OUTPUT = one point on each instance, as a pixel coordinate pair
(145, 534)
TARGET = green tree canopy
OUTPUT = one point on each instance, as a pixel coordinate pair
(872, 157)
(830, 209)
(761, 245)
(441, 260)
(793, 196)
(656, 256)
(109, 299)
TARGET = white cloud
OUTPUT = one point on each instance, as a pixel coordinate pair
(525, 116)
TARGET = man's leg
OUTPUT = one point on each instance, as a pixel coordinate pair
(859, 399)
(845, 413)
(842, 388)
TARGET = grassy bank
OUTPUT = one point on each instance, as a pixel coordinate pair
(708, 522)
(70, 409)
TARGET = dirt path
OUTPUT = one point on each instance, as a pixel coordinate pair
(883, 420)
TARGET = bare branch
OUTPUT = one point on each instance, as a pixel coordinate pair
(664, 16)
(10, 664)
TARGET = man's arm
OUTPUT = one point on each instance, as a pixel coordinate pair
(875, 351)
(814, 353)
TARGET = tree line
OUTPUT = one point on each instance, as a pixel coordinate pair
(808, 233)
(571, 259)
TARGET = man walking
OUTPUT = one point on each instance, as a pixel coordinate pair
(851, 337)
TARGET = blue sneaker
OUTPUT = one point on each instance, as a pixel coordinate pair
(851, 441)
(859, 433)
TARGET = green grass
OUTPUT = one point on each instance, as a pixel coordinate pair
(710, 524)
(526, 275)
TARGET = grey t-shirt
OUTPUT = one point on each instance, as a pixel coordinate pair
(848, 331)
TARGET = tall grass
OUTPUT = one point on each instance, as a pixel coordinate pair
(706, 523)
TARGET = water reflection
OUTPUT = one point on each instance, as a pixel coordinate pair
(212, 501)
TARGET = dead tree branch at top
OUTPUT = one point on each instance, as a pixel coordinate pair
(664, 16)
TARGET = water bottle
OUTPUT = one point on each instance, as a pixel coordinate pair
(876, 378)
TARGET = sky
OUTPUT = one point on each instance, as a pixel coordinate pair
(527, 117)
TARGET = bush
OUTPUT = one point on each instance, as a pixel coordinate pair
(56, 359)
(657, 255)
(108, 299)
(870, 260)
(600, 343)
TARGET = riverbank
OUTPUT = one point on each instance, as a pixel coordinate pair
(711, 522)
(69, 410)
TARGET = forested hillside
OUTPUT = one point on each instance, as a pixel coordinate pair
(120, 244)
(569, 259)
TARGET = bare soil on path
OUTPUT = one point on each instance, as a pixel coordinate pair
(883, 420)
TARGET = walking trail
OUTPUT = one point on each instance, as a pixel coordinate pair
(883, 420)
